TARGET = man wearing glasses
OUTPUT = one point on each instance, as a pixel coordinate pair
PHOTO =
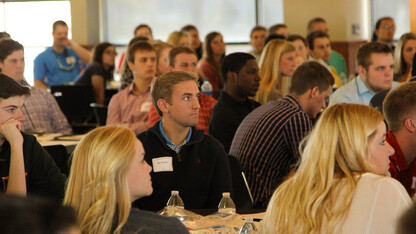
(384, 31)
(60, 63)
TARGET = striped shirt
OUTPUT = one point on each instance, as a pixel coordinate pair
(42, 113)
(266, 143)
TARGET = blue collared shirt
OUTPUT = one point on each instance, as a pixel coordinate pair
(354, 91)
(170, 144)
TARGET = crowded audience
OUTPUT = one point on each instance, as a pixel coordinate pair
(182, 111)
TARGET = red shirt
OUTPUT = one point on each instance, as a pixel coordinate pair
(399, 168)
(205, 101)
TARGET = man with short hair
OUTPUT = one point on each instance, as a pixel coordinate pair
(279, 29)
(384, 31)
(257, 38)
(41, 111)
(319, 49)
(399, 108)
(185, 59)
(131, 106)
(183, 158)
(375, 73)
(267, 141)
(143, 30)
(196, 42)
(25, 167)
(336, 60)
(241, 81)
(60, 63)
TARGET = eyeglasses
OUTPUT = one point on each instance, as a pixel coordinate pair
(388, 27)
(110, 53)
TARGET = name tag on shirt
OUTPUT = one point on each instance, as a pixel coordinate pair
(162, 164)
(70, 60)
(146, 107)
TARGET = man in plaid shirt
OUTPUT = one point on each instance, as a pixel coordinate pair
(267, 141)
(41, 111)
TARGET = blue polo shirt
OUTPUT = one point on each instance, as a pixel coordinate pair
(55, 68)
(354, 91)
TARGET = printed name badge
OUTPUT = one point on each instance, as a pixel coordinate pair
(162, 164)
(146, 107)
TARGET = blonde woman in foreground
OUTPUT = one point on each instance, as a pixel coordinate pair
(108, 172)
(340, 185)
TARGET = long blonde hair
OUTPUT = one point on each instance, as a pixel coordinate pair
(336, 149)
(97, 183)
(271, 83)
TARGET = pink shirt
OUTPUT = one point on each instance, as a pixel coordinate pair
(130, 108)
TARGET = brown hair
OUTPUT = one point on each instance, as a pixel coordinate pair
(10, 88)
(313, 21)
(7, 47)
(189, 27)
(162, 87)
(274, 28)
(295, 37)
(257, 28)
(143, 26)
(58, 23)
(313, 35)
(400, 66)
(365, 51)
(138, 46)
(309, 75)
(209, 55)
(399, 104)
(179, 50)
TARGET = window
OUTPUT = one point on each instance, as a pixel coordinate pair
(232, 18)
(35, 32)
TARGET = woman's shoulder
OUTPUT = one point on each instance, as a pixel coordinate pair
(149, 222)
(382, 184)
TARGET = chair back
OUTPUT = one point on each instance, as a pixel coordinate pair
(74, 101)
(60, 156)
(241, 192)
(100, 112)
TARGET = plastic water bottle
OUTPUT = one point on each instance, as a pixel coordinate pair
(206, 87)
(249, 226)
(226, 204)
(175, 200)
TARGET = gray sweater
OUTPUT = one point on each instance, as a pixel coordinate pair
(140, 221)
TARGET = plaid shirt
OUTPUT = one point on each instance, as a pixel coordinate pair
(206, 102)
(42, 112)
(266, 143)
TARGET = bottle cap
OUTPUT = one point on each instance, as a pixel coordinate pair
(174, 192)
(226, 194)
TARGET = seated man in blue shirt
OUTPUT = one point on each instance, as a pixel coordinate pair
(60, 63)
(182, 157)
(375, 73)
